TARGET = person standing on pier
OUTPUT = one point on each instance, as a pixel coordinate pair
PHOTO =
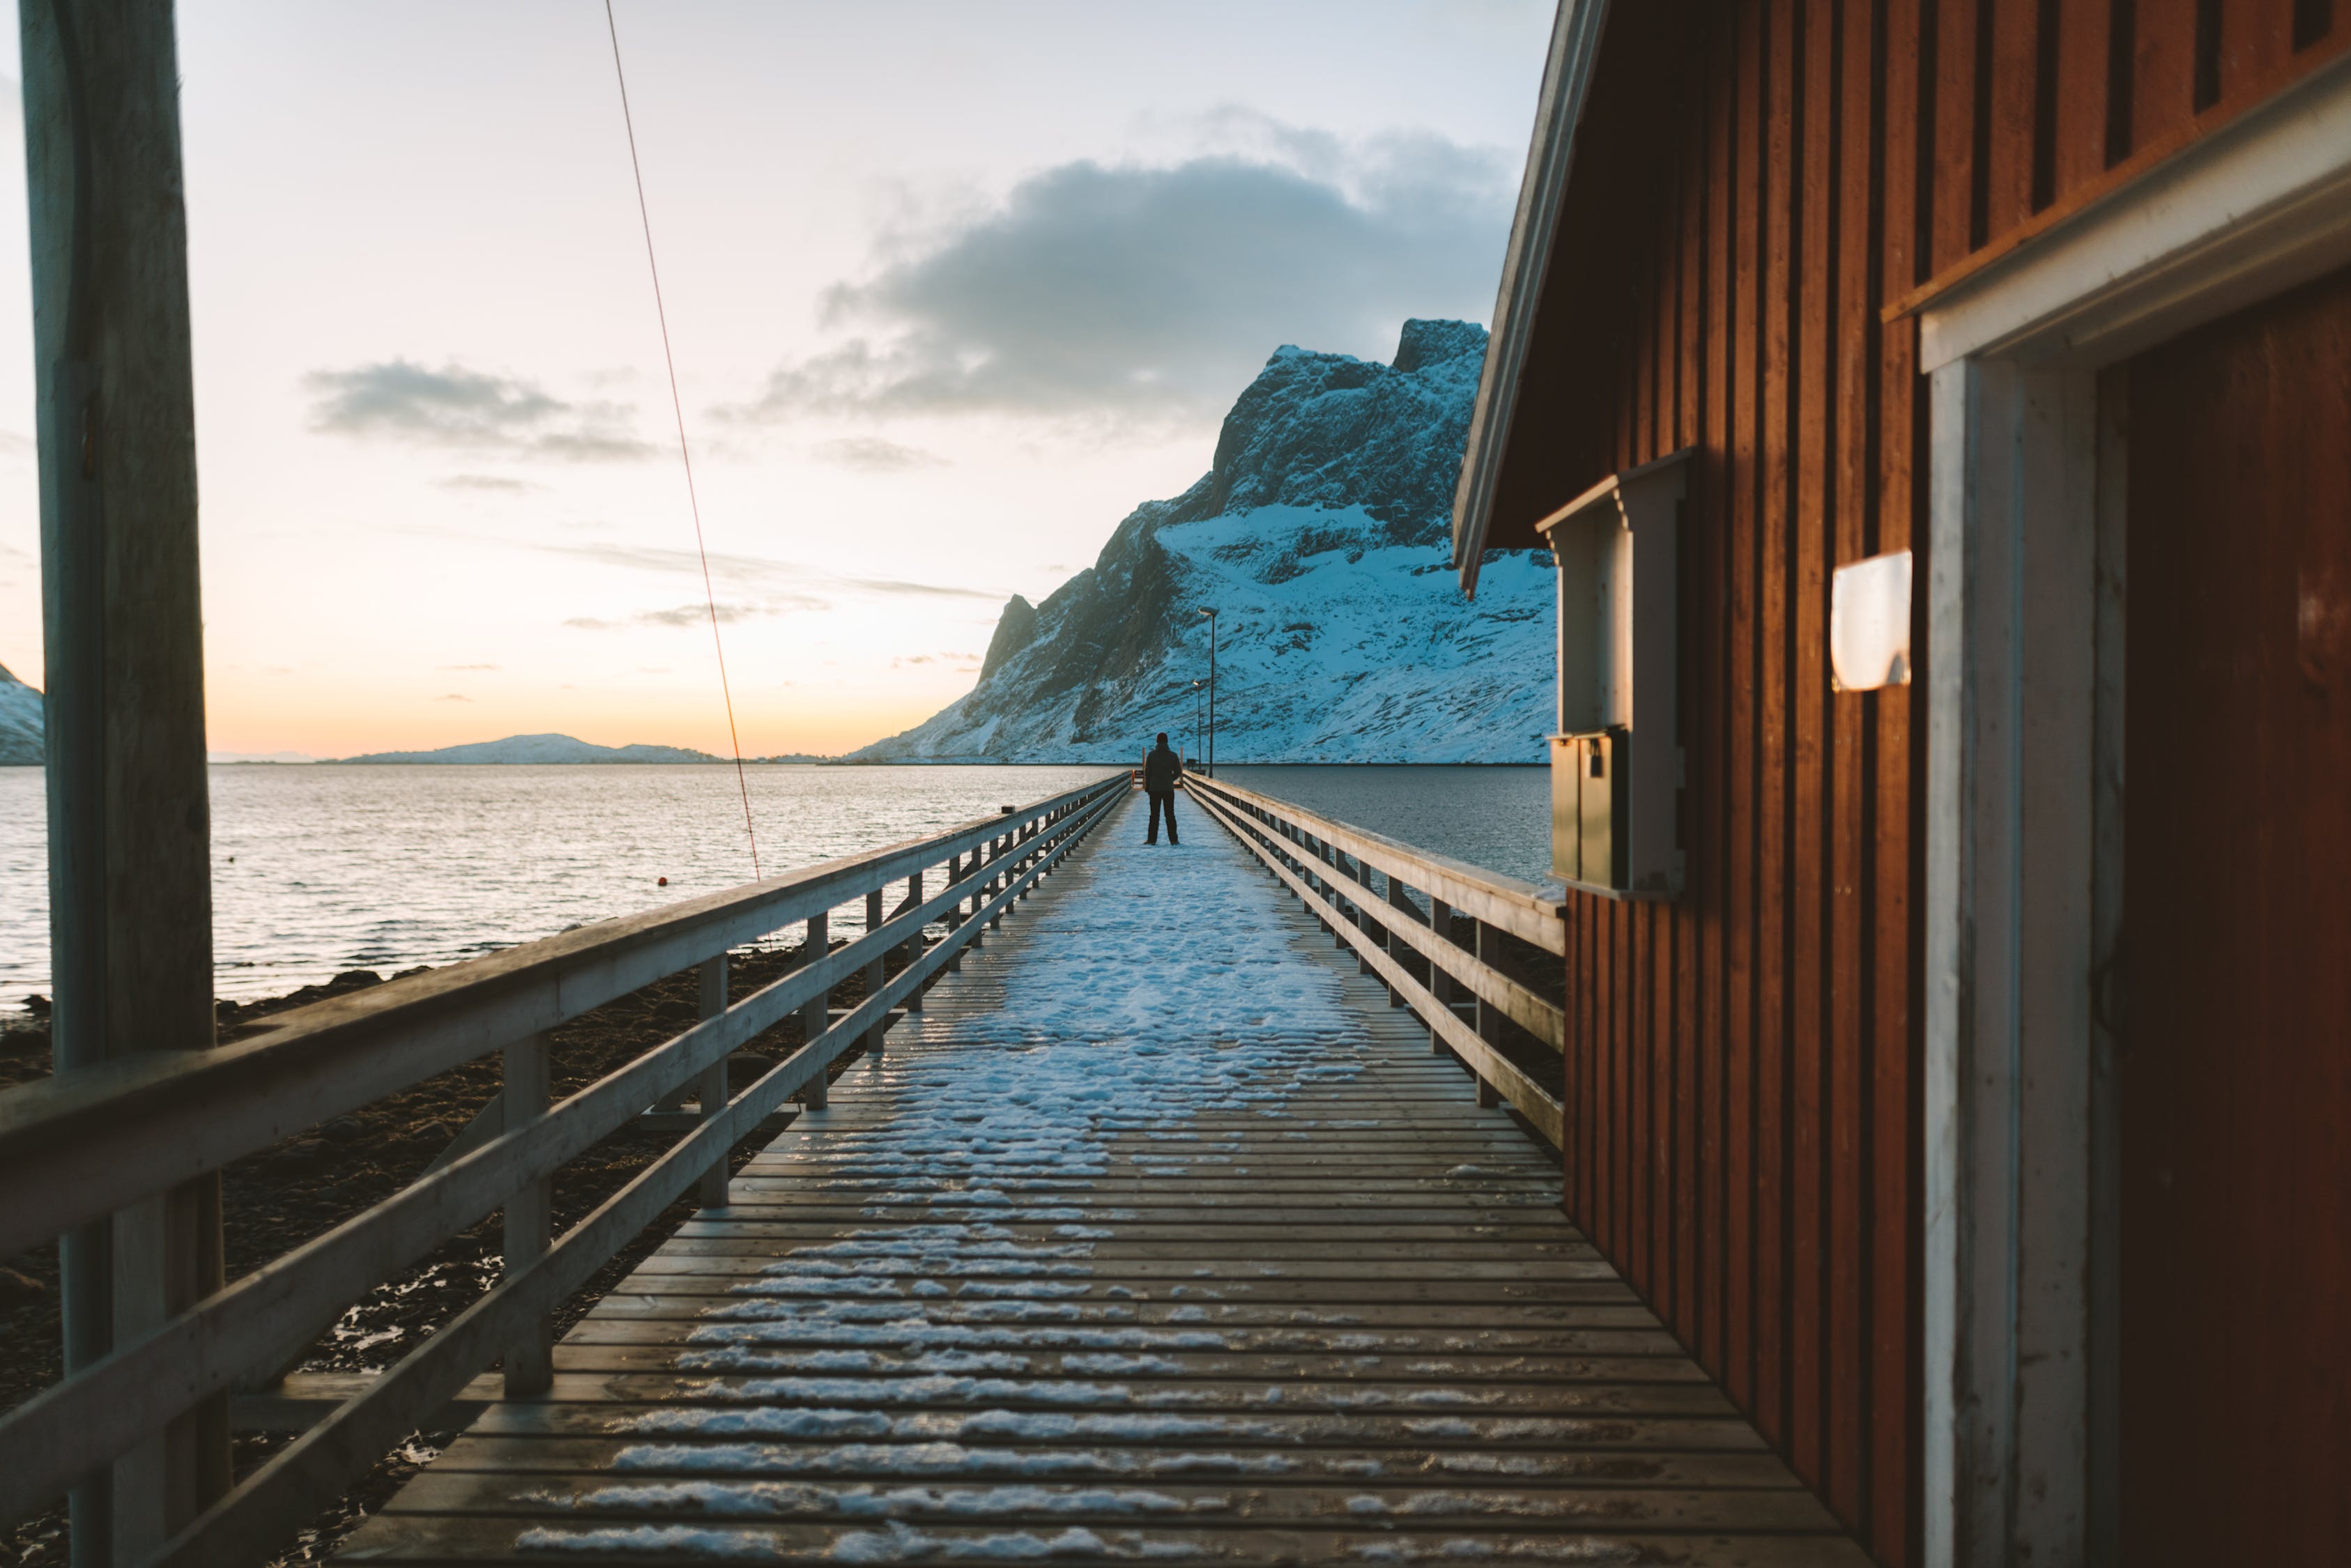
(1160, 769)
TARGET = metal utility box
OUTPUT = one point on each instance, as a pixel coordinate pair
(1587, 788)
(1616, 760)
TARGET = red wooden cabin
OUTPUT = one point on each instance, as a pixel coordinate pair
(1961, 1067)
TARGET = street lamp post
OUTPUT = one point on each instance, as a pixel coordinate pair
(1211, 614)
(1197, 687)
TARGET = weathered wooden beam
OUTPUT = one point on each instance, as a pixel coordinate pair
(303, 1399)
(129, 866)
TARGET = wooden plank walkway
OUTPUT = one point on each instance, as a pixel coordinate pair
(1157, 1235)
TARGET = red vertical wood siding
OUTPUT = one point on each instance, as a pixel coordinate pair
(1768, 176)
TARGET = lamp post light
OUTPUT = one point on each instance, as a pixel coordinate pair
(1211, 613)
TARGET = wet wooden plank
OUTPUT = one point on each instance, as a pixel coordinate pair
(1302, 1341)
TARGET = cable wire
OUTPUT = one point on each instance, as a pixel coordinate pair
(685, 455)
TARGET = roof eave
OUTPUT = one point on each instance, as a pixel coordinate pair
(1567, 76)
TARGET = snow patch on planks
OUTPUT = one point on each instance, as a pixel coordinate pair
(1155, 1234)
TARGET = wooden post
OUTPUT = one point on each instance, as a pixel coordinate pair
(1003, 846)
(1489, 1020)
(1353, 870)
(529, 1223)
(129, 853)
(959, 871)
(1440, 982)
(913, 947)
(817, 1017)
(876, 1037)
(978, 896)
(714, 1090)
(1401, 902)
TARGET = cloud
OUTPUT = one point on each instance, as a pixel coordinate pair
(967, 663)
(700, 614)
(1134, 292)
(874, 456)
(685, 616)
(468, 667)
(452, 697)
(496, 484)
(397, 400)
(14, 446)
(922, 589)
(754, 571)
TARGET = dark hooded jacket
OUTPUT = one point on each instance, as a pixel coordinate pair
(1160, 769)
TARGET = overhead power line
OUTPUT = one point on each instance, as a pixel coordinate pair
(685, 453)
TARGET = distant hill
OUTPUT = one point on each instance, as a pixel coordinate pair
(22, 724)
(1322, 532)
(537, 748)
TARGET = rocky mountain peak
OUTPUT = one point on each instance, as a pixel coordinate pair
(1322, 532)
(21, 722)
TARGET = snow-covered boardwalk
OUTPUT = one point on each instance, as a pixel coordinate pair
(1157, 1235)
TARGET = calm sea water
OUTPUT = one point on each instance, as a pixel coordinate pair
(321, 869)
(1499, 818)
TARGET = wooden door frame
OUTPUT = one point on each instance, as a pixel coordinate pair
(2025, 599)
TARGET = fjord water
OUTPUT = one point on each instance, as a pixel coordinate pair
(321, 869)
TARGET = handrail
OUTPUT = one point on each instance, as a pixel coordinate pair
(88, 1142)
(1306, 853)
(1503, 901)
(249, 1328)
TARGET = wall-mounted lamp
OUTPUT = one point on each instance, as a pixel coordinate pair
(1869, 623)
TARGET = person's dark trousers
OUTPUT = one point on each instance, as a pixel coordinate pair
(1162, 801)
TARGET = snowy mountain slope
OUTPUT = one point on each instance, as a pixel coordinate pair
(22, 725)
(1320, 534)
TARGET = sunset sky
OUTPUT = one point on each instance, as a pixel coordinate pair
(952, 288)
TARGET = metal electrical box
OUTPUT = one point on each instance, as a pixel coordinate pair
(1617, 759)
(1587, 788)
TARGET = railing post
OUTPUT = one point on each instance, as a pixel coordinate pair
(959, 912)
(1400, 901)
(715, 1091)
(1363, 921)
(528, 1222)
(816, 1016)
(913, 947)
(1003, 847)
(877, 1037)
(1489, 1017)
(980, 857)
(1440, 979)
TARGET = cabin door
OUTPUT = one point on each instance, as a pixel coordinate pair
(2233, 1050)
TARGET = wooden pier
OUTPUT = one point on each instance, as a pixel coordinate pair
(1155, 1233)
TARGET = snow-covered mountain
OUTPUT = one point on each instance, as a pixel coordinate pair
(22, 725)
(539, 748)
(1320, 534)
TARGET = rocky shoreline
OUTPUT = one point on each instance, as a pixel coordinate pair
(281, 1196)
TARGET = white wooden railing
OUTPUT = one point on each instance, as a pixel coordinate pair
(90, 1143)
(1360, 885)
